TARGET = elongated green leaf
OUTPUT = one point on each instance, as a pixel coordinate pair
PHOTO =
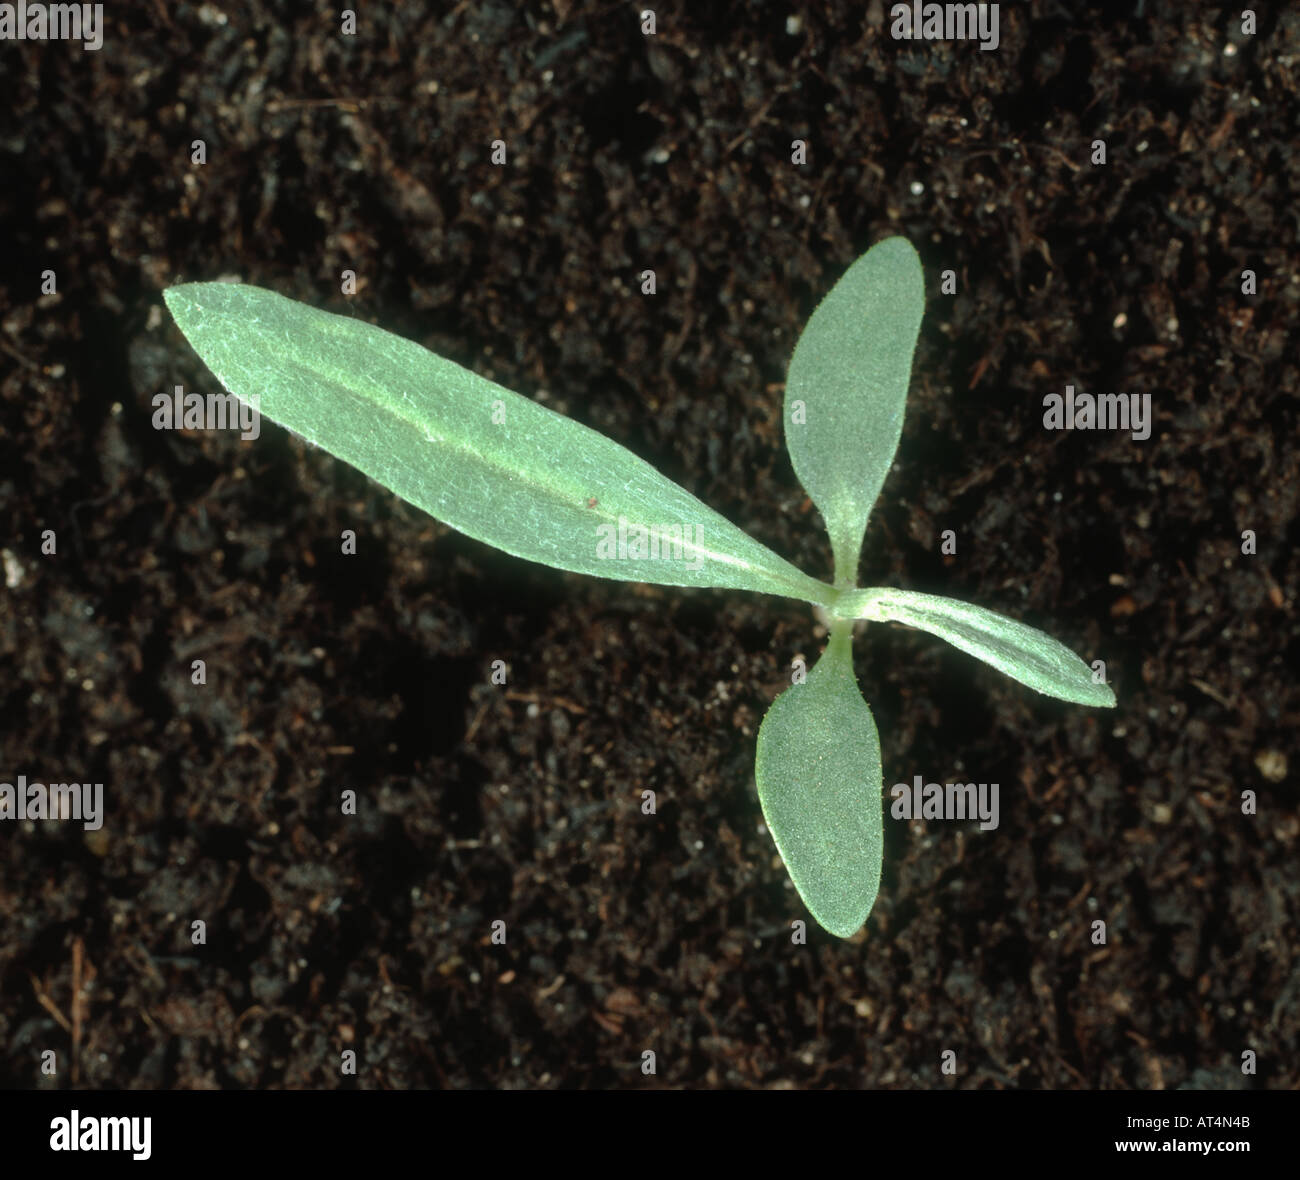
(494, 465)
(1023, 653)
(819, 781)
(847, 388)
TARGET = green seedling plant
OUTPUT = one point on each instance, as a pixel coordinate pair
(511, 473)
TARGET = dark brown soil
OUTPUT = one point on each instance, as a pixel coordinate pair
(478, 803)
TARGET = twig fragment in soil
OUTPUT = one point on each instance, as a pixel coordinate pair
(347, 104)
(78, 950)
(43, 998)
(533, 699)
(1213, 693)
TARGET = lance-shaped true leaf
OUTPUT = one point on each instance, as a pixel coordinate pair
(1023, 653)
(819, 781)
(488, 462)
(846, 390)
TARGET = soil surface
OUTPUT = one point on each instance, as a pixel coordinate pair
(670, 934)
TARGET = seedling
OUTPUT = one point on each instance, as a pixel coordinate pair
(513, 474)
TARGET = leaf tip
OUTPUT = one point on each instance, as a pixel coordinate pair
(840, 929)
(181, 301)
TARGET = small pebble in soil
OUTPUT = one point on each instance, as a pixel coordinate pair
(1271, 764)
